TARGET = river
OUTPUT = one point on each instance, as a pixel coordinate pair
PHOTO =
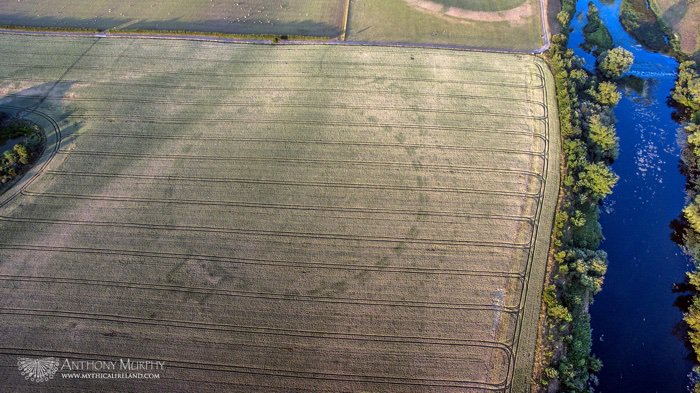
(636, 324)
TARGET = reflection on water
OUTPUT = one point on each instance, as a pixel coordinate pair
(636, 320)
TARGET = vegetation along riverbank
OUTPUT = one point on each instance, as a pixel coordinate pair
(687, 95)
(590, 145)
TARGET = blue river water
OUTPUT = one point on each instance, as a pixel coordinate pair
(636, 326)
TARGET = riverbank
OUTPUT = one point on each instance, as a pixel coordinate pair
(686, 95)
(578, 263)
(642, 23)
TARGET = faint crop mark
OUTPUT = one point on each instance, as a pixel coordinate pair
(329, 288)
(410, 235)
(198, 274)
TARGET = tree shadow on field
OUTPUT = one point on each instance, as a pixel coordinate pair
(38, 102)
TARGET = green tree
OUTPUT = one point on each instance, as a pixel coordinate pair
(603, 139)
(10, 157)
(564, 18)
(597, 181)
(579, 77)
(692, 215)
(597, 36)
(555, 310)
(692, 318)
(606, 94)
(694, 279)
(693, 138)
(615, 62)
(22, 153)
(687, 90)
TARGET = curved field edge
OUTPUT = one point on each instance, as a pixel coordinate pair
(52, 134)
(527, 335)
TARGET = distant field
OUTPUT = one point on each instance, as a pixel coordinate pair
(482, 5)
(302, 17)
(684, 17)
(278, 218)
(457, 22)
(498, 24)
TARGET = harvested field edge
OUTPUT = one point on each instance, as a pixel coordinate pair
(526, 334)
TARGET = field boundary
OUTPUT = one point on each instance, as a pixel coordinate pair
(296, 41)
(526, 340)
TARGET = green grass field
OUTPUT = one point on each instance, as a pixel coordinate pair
(294, 17)
(278, 218)
(417, 21)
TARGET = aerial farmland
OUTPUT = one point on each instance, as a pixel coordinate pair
(320, 18)
(493, 24)
(276, 218)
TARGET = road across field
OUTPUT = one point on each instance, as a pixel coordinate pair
(278, 218)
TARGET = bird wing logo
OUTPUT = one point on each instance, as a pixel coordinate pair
(38, 370)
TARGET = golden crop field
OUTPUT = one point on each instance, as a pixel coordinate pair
(278, 218)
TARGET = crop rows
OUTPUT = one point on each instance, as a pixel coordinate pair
(295, 228)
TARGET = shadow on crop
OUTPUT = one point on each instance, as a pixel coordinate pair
(47, 99)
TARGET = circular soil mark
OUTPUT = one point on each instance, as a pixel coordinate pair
(517, 15)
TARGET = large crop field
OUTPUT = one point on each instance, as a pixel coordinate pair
(278, 218)
(300, 17)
